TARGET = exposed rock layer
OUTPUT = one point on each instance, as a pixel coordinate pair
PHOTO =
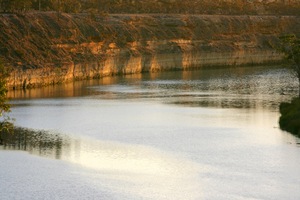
(44, 48)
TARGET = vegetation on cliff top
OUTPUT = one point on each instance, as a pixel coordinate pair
(275, 7)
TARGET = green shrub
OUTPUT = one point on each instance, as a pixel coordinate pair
(290, 117)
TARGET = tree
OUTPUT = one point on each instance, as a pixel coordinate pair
(5, 124)
(290, 46)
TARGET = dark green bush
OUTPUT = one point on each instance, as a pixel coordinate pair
(290, 117)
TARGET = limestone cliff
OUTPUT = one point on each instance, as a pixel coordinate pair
(46, 48)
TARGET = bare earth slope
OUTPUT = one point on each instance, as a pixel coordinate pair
(44, 48)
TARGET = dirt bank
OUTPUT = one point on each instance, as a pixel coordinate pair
(44, 48)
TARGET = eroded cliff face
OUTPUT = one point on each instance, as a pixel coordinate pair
(44, 48)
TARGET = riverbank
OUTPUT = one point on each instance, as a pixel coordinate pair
(44, 48)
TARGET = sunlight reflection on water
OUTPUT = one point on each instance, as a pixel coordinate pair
(137, 167)
(140, 169)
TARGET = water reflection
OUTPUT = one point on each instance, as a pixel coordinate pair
(40, 143)
(268, 80)
(135, 167)
(227, 101)
(90, 153)
(243, 87)
(141, 170)
(72, 89)
(146, 142)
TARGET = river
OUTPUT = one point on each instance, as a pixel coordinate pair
(207, 134)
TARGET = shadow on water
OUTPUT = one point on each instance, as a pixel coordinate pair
(41, 143)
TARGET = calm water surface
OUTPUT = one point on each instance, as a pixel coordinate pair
(207, 134)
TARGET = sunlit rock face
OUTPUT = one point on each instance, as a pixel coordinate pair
(43, 49)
